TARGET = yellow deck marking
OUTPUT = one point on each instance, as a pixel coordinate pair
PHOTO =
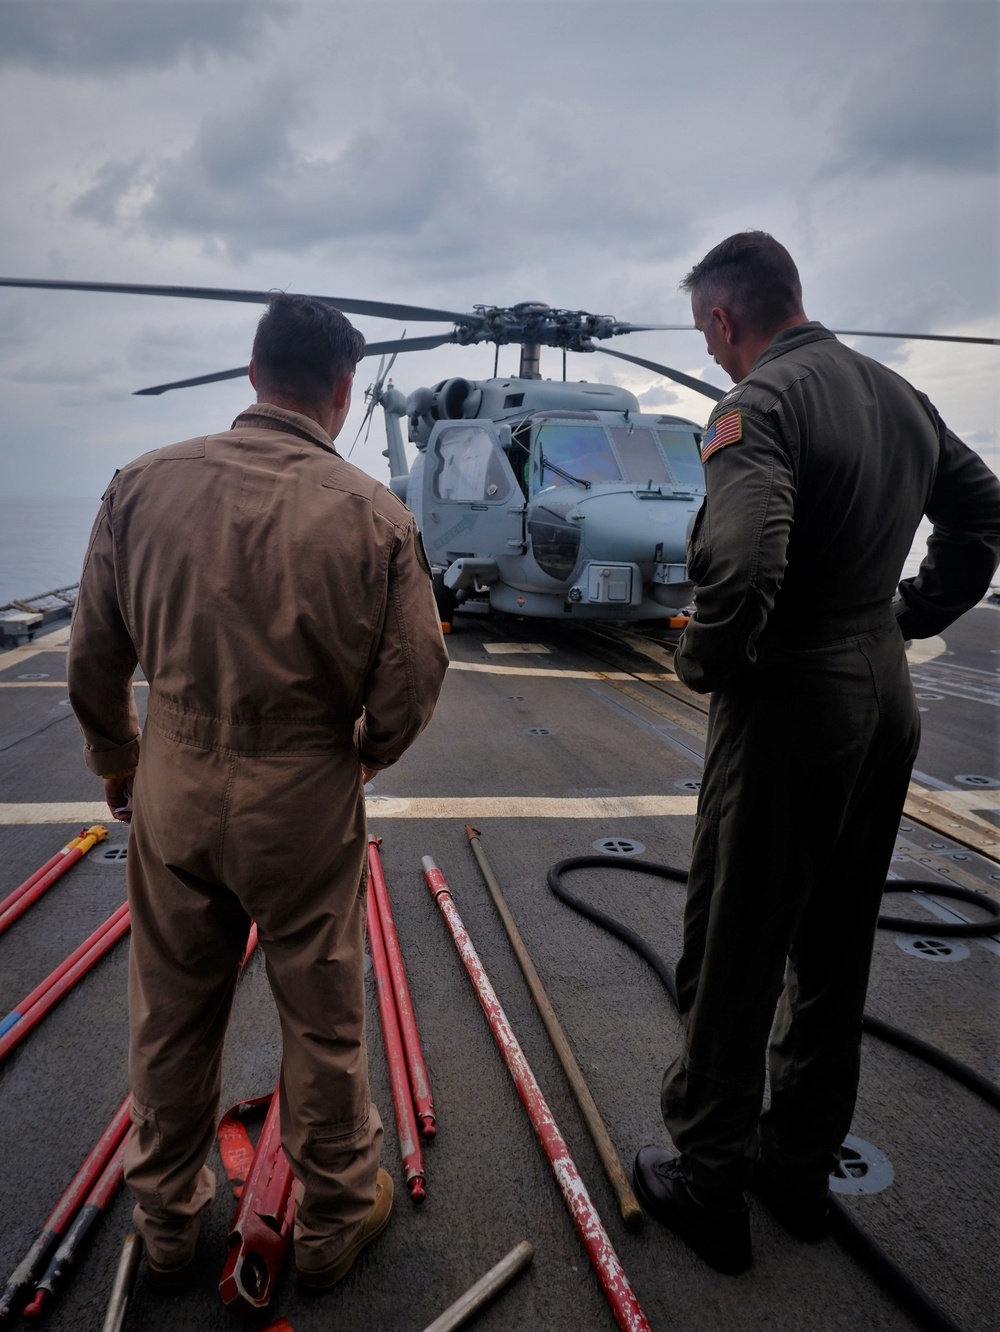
(56, 641)
(421, 807)
(516, 647)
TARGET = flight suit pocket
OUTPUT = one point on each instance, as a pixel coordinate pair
(326, 1147)
(698, 548)
(256, 490)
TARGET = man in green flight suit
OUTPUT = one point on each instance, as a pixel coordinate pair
(819, 465)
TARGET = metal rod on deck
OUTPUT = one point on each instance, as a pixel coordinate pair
(65, 1257)
(44, 997)
(406, 1123)
(17, 903)
(485, 1289)
(628, 1204)
(614, 1282)
(42, 870)
(26, 1273)
(121, 1290)
(420, 1085)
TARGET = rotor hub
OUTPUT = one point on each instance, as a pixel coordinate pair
(534, 322)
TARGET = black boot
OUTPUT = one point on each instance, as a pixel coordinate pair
(805, 1216)
(718, 1234)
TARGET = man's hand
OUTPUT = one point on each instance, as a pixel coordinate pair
(367, 774)
(118, 794)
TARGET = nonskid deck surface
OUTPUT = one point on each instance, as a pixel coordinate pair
(549, 742)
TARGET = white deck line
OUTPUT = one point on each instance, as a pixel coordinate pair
(418, 807)
(488, 668)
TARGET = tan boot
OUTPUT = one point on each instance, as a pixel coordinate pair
(322, 1278)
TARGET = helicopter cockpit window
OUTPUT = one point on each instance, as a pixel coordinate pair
(581, 453)
(684, 456)
(640, 455)
(469, 466)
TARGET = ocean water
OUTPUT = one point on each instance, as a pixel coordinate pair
(43, 541)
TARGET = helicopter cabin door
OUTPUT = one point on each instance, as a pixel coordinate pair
(473, 506)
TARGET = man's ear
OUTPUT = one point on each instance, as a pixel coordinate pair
(724, 323)
(252, 374)
(342, 390)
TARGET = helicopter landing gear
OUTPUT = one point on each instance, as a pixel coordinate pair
(445, 599)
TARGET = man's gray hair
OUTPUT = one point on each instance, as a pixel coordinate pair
(751, 274)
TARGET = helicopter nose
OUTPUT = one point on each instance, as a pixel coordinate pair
(621, 526)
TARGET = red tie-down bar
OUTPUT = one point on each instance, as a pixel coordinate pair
(262, 1225)
(419, 1081)
(402, 1104)
(16, 903)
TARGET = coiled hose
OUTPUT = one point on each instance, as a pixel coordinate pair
(854, 1238)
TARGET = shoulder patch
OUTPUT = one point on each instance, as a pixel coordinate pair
(726, 430)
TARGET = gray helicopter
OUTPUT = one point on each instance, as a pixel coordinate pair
(546, 498)
(535, 497)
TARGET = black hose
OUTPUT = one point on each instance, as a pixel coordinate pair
(858, 1242)
(959, 929)
(854, 1238)
(615, 927)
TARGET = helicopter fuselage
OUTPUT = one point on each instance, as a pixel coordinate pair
(550, 499)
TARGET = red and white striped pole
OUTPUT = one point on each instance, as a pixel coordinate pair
(614, 1282)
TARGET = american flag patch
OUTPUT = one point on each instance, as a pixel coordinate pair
(726, 430)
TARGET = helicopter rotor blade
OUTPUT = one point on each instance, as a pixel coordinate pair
(654, 328)
(920, 337)
(365, 420)
(378, 309)
(373, 348)
(410, 344)
(699, 386)
(239, 373)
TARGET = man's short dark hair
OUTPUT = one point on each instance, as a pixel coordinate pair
(753, 275)
(303, 346)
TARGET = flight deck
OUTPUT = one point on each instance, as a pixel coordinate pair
(554, 741)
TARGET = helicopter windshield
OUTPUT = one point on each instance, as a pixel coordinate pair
(582, 453)
(683, 450)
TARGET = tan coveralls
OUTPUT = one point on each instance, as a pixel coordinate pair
(831, 461)
(279, 603)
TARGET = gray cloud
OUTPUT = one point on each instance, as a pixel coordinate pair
(104, 201)
(74, 374)
(933, 103)
(422, 180)
(94, 37)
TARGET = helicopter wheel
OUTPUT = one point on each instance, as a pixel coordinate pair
(445, 599)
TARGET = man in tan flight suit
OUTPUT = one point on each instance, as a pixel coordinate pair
(819, 465)
(279, 604)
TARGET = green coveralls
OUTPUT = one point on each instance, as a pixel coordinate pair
(811, 510)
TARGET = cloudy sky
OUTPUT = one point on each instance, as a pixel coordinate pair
(580, 152)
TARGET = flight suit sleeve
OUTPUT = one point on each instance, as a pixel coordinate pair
(964, 548)
(410, 662)
(738, 548)
(102, 659)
